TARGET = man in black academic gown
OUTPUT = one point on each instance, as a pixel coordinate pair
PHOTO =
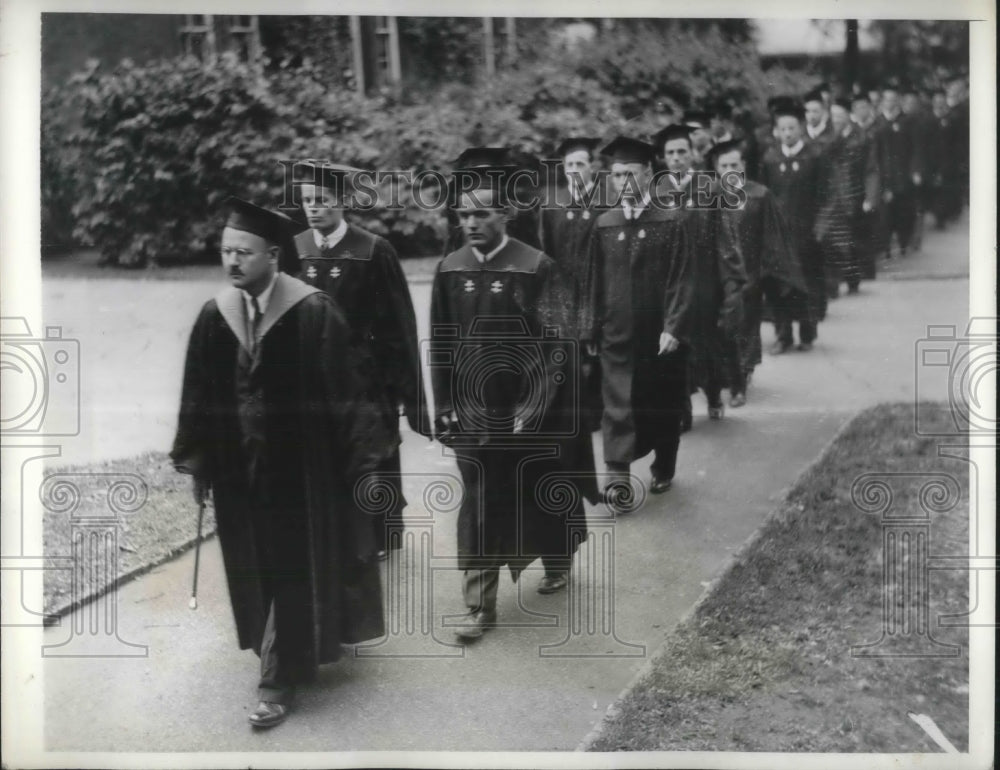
(772, 271)
(273, 423)
(850, 192)
(944, 176)
(503, 372)
(640, 312)
(900, 165)
(568, 216)
(792, 170)
(718, 270)
(361, 272)
(869, 224)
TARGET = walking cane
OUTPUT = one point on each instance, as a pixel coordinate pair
(193, 603)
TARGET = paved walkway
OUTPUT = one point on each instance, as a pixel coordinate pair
(517, 689)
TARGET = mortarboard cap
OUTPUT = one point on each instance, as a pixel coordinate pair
(788, 106)
(721, 148)
(269, 225)
(624, 149)
(814, 95)
(272, 226)
(673, 131)
(721, 109)
(697, 118)
(776, 102)
(588, 143)
(482, 156)
(480, 177)
(329, 175)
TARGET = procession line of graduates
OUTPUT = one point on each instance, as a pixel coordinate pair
(602, 306)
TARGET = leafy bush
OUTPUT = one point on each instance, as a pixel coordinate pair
(152, 151)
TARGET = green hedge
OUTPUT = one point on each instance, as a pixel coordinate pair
(137, 159)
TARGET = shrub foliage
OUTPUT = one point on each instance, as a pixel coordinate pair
(137, 160)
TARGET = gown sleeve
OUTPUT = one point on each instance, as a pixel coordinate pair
(396, 327)
(190, 453)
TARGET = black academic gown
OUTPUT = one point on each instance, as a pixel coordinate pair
(565, 225)
(281, 437)
(641, 282)
(796, 183)
(497, 352)
(899, 158)
(363, 276)
(850, 178)
(719, 280)
(772, 270)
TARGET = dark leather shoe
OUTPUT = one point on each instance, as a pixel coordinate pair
(268, 714)
(475, 624)
(716, 412)
(805, 347)
(736, 400)
(780, 347)
(552, 583)
(660, 485)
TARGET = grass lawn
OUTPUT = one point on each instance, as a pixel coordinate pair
(165, 525)
(765, 662)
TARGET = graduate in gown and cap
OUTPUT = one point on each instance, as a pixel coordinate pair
(773, 272)
(718, 270)
(640, 316)
(274, 424)
(361, 273)
(504, 372)
(568, 216)
(792, 171)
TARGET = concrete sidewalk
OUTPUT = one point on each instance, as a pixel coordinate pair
(516, 689)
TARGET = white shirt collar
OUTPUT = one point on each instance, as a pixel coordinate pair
(633, 212)
(817, 130)
(262, 299)
(331, 240)
(795, 149)
(575, 194)
(484, 258)
(726, 137)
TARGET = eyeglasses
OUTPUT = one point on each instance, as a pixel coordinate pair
(229, 251)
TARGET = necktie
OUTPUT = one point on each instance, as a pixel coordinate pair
(254, 325)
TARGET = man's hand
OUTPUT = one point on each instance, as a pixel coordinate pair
(200, 488)
(668, 343)
(887, 196)
(917, 179)
(444, 426)
(867, 207)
